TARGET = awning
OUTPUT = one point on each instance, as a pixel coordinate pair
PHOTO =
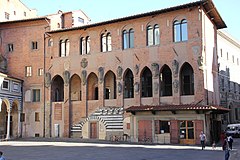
(182, 107)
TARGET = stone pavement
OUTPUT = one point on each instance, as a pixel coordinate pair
(75, 149)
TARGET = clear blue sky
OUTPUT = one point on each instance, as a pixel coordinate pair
(102, 10)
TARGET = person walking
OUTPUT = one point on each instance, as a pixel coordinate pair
(202, 139)
(1, 156)
(230, 141)
(226, 148)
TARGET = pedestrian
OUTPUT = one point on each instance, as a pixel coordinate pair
(226, 148)
(202, 139)
(230, 141)
(1, 156)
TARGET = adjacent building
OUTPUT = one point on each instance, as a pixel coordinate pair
(151, 77)
(15, 10)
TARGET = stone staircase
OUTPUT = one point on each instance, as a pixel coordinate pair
(111, 117)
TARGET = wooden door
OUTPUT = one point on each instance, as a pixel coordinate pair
(145, 131)
(93, 130)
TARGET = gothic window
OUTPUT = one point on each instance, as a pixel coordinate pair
(128, 38)
(166, 81)
(180, 30)
(146, 83)
(128, 84)
(187, 80)
(153, 37)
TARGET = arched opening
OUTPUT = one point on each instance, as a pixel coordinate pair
(187, 80)
(75, 88)
(146, 83)
(110, 85)
(166, 81)
(57, 89)
(14, 120)
(92, 87)
(128, 84)
(3, 120)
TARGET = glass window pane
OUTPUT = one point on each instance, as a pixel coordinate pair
(183, 133)
(156, 35)
(191, 133)
(104, 40)
(62, 48)
(177, 31)
(190, 123)
(184, 31)
(131, 37)
(82, 46)
(109, 42)
(125, 40)
(150, 36)
(67, 47)
(88, 45)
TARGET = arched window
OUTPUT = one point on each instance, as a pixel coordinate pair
(92, 87)
(180, 30)
(110, 85)
(128, 39)
(146, 83)
(187, 80)
(84, 45)
(50, 42)
(153, 35)
(106, 42)
(166, 81)
(57, 89)
(64, 48)
(128, 85)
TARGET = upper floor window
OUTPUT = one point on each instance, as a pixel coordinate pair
(180, 30)
(84, 45)
(81, 20)
(34, 45)
(50, 42)
(128, 38)
(28, 71)
(106, 42)
(7, 15)
(5, 85)
(153, 37)
(40, 71)
(25, 14)
(10, 47)
(64, 46)
(36, 95)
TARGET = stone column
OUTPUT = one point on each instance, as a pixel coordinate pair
(8, 123)
(19, 123)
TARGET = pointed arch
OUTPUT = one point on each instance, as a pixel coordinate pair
(110, 85)
(92, 87)
(75, 88)
(187, 79)
(57, 89)
(128, 84)
(166, 81)
(146, 82)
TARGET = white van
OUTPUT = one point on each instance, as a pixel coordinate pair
(233, 130)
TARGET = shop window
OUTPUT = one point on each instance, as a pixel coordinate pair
(186, 130)
(162, 127)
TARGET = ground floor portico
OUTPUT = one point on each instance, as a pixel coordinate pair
(175, 124)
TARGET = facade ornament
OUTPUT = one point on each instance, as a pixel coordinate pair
(84, 76)
(119, 88)
(100, 74)
(119, 72)
(175, 66)
(84, 63)
(47, 79)
(175, 85)
(156, 86)
(66, 77)
(155, 70)
(136, 87)
(136, 69)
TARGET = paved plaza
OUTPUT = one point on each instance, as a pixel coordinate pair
(43, 149)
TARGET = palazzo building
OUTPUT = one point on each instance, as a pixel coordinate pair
(151, 77)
